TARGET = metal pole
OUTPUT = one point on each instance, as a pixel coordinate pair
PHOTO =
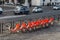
(12, 24)
(0, 27)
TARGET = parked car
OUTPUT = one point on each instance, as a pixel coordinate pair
(37, 9)
(1, 10)
(57, 7)
(21, 10)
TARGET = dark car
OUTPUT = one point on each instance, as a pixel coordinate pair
(1, 10)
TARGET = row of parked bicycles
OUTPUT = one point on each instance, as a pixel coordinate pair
(32, 25)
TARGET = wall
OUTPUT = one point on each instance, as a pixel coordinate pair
(35, 2)
(46, 1)
(39, 2)
(58, 0)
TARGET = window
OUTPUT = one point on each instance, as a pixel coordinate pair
(21, 1)
(13, 1)
(7, 1)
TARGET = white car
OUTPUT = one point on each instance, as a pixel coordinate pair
(21, 10)
(9, 4)
(1, 10)
(37, 9)
(56, 7)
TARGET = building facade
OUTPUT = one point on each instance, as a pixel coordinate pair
(32, 2)
(44, 2)
(11, 1)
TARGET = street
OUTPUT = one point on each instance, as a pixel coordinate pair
(46, 9)
(51, 33)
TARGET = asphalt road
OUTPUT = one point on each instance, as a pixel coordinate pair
(51, 33)
(9, 11)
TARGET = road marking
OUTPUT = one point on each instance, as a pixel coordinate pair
(6, 17)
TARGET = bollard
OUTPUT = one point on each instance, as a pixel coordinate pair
(12, 24)
(1, 27)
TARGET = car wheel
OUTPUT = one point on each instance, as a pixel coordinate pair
(15, 13)
(19, 13)
(34, 28)
(41, 11)
(52, 23)
(47, 25)
(23, 30)
(0, 12)
(30, 29)
(43, 26)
